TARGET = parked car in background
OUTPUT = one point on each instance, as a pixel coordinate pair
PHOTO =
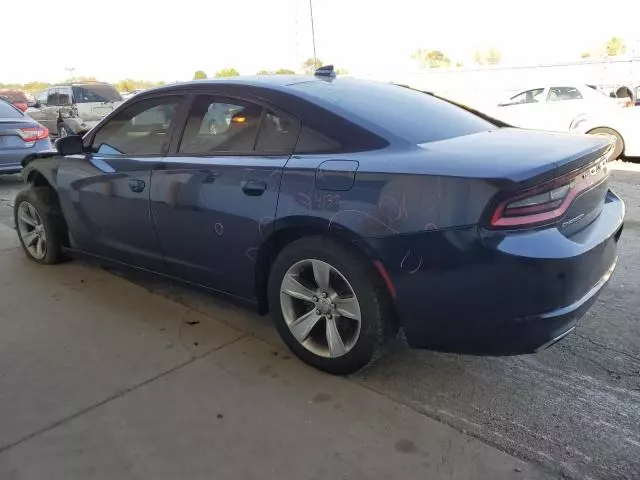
(75, 108)
(622, 124)
(347, 208)
(16, 97)
(552, 107)
(20, 136)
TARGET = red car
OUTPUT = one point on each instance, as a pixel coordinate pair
(16, 97)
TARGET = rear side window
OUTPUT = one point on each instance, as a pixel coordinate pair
(312, 141)
(415, 116)
(8, 111)
(95, 94)
(141, 129)
(221, 125)
(557, 94)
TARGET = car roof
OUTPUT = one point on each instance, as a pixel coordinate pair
(272, 81)
(78, 84)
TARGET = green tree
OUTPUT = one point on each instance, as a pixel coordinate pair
(284, 71)
(491, 56)
(227, 72)
(430, 58)
(264, 72)
(32, 87)
(310, 65)
(342, 71)
(199, 75)
(585, 54)
(126, 85)
(615, 46)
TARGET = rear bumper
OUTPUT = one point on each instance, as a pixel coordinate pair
(493, 293)
(11, 159)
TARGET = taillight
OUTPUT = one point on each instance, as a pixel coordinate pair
(32, 134)
(544, 204)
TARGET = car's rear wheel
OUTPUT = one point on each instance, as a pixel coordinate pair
(329, 305)
(619, 146)
(39, 224)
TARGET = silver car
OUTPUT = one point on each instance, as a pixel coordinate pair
(75, 108)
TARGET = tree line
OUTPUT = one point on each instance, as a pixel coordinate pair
(493, 56)
(130, 84)
(126, 85)
(307, 67)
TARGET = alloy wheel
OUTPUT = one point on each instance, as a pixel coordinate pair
(32, 230)
(320, 308)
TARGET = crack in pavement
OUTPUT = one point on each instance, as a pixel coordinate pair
(121, 393)
(607, 347)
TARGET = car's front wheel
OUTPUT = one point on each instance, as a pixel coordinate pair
(39, 224)
(329, 305)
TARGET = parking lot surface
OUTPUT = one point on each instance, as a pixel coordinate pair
(574, 409)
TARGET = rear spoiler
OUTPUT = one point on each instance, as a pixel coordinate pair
(33, 156)
(484, 116)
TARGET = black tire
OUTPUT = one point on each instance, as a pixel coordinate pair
(377, 323)
(44, 202)
(619, 147)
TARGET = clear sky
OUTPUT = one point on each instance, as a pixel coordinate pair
(144, 39)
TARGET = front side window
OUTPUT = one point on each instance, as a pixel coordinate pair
(42, 97)
(217, 125)
(64, 96)
(141, 129)
(530, 96)
(53, 97)
(557, 94)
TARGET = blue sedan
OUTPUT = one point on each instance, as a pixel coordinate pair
(20, 136)
(347, 209)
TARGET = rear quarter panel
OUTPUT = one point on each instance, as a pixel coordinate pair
(387, 198)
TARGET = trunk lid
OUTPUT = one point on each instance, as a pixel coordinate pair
(515, 160)
(9, 136)
(519, 156)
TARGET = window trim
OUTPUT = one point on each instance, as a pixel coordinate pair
(180, 119)
(177, 140)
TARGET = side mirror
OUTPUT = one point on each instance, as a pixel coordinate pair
(71, 145)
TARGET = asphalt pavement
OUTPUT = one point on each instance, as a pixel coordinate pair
(573, 409)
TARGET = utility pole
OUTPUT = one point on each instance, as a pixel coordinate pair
(71, 70)
(313, 36)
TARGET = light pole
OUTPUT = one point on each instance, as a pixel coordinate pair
(313, 36)
(71, 70)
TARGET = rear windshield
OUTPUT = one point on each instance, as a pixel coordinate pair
(13, 96)
(96, 93)
(9, 111)
(409, 114)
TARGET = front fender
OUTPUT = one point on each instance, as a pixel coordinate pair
(40, 166)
